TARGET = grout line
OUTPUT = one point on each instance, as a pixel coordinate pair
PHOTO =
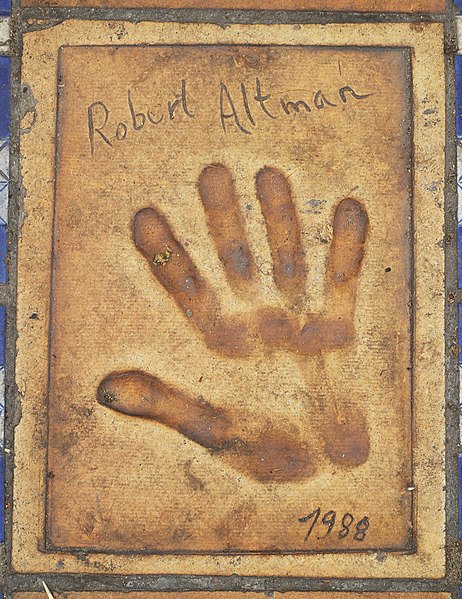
(216, 15)
(60, 583)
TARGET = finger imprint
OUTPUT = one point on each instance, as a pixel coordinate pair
(284, 235)
(268, 457)
(139, 394)
(343, 425)
(346, 255)
(173, 267)
(226, 224)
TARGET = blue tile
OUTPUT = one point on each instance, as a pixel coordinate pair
(460, 406)
(3, 251)
(5, 7)
(2, 338)
(4, 95)
(460, 499)
(459, 243)
(4, 159)
(460, 336)
(2, 419)
(458, 67)
(458, 3)
(2, 497)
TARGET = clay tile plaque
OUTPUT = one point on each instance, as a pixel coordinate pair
(232, 348)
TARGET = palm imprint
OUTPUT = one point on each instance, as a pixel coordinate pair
(273, 455)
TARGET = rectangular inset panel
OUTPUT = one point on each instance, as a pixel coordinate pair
(409, 6)
(225, 291)
(260, 190)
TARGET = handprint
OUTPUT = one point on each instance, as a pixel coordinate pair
(272, 455)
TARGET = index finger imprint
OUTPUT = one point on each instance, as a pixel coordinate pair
(173, 267)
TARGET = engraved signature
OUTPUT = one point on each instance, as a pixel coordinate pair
(237, 111)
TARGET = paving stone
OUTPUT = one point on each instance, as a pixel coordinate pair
(234, 258)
